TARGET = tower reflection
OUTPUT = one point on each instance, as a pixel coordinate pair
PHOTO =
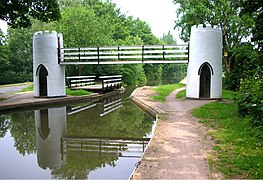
(50, 128)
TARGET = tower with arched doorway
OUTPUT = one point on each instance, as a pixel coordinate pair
(49, 76)
(204, 73)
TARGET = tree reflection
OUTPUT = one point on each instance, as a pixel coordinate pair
(79, 164)
(22, 129)
(4, 125)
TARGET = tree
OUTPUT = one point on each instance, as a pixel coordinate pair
(18, 14)
(224, 13)
(255, 8)
(168, 39)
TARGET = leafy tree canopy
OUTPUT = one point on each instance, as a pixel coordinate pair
(255, 8)
(18, 13)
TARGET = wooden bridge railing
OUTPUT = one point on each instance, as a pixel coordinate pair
(111, 82)
(125, 54)
(77, 81)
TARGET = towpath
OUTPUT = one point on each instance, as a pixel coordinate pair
(177, 150)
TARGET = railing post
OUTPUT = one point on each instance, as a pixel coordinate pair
(79, 53)
(163, 53)
(118, 52)
(142, 54)
(98, 52)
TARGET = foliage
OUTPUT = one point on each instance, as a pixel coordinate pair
(246, 61)
(17, 66)
(249, 100)
(18, 13)
(173, 73)
(255, 8)
(168, 39)
(153, 74)
(165, 90)
(237, 152)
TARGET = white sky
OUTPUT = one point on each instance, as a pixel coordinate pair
(159, 14)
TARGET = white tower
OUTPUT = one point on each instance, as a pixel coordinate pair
(204, 73)
(49, 76)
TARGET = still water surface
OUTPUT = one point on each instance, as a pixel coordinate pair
(85, 141)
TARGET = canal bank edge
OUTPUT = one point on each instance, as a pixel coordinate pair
(27, 101)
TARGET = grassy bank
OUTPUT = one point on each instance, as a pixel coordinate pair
(165, 90)
(69, 92)
(237, 151)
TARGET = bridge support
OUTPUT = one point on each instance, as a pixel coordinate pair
(49, 75)
(204, 73)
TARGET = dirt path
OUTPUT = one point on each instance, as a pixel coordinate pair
(177, 148)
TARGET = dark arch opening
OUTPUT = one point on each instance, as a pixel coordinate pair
(205, 80)
(209, 65)
(43, 73)
(44, 129)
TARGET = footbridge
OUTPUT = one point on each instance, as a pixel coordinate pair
(146, 54)
(203, 56)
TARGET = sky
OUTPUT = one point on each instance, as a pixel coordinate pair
(159, 14)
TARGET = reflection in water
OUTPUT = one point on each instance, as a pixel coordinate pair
(85, 140)
(50, 128)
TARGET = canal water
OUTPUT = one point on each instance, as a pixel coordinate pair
(100, 140)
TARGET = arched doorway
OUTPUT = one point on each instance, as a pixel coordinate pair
(43, 73)
(205, 81)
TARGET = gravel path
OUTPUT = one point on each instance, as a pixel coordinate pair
(177, 150)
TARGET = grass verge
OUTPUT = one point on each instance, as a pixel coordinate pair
(30, 87)
(165, 90)
(70, 92)
(181, 94)
(237, 152)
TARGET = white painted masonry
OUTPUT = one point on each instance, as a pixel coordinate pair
(205, 47)
(45, 53)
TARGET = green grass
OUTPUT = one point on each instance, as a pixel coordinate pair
(70, 92)
(226, 94)
(30, 87)
(165, 90)
(237, 152)
(181, 94)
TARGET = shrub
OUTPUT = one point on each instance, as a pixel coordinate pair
(249, 99)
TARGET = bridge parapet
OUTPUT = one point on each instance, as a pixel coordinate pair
(125, 54)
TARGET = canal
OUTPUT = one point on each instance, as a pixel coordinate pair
(99, 140)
